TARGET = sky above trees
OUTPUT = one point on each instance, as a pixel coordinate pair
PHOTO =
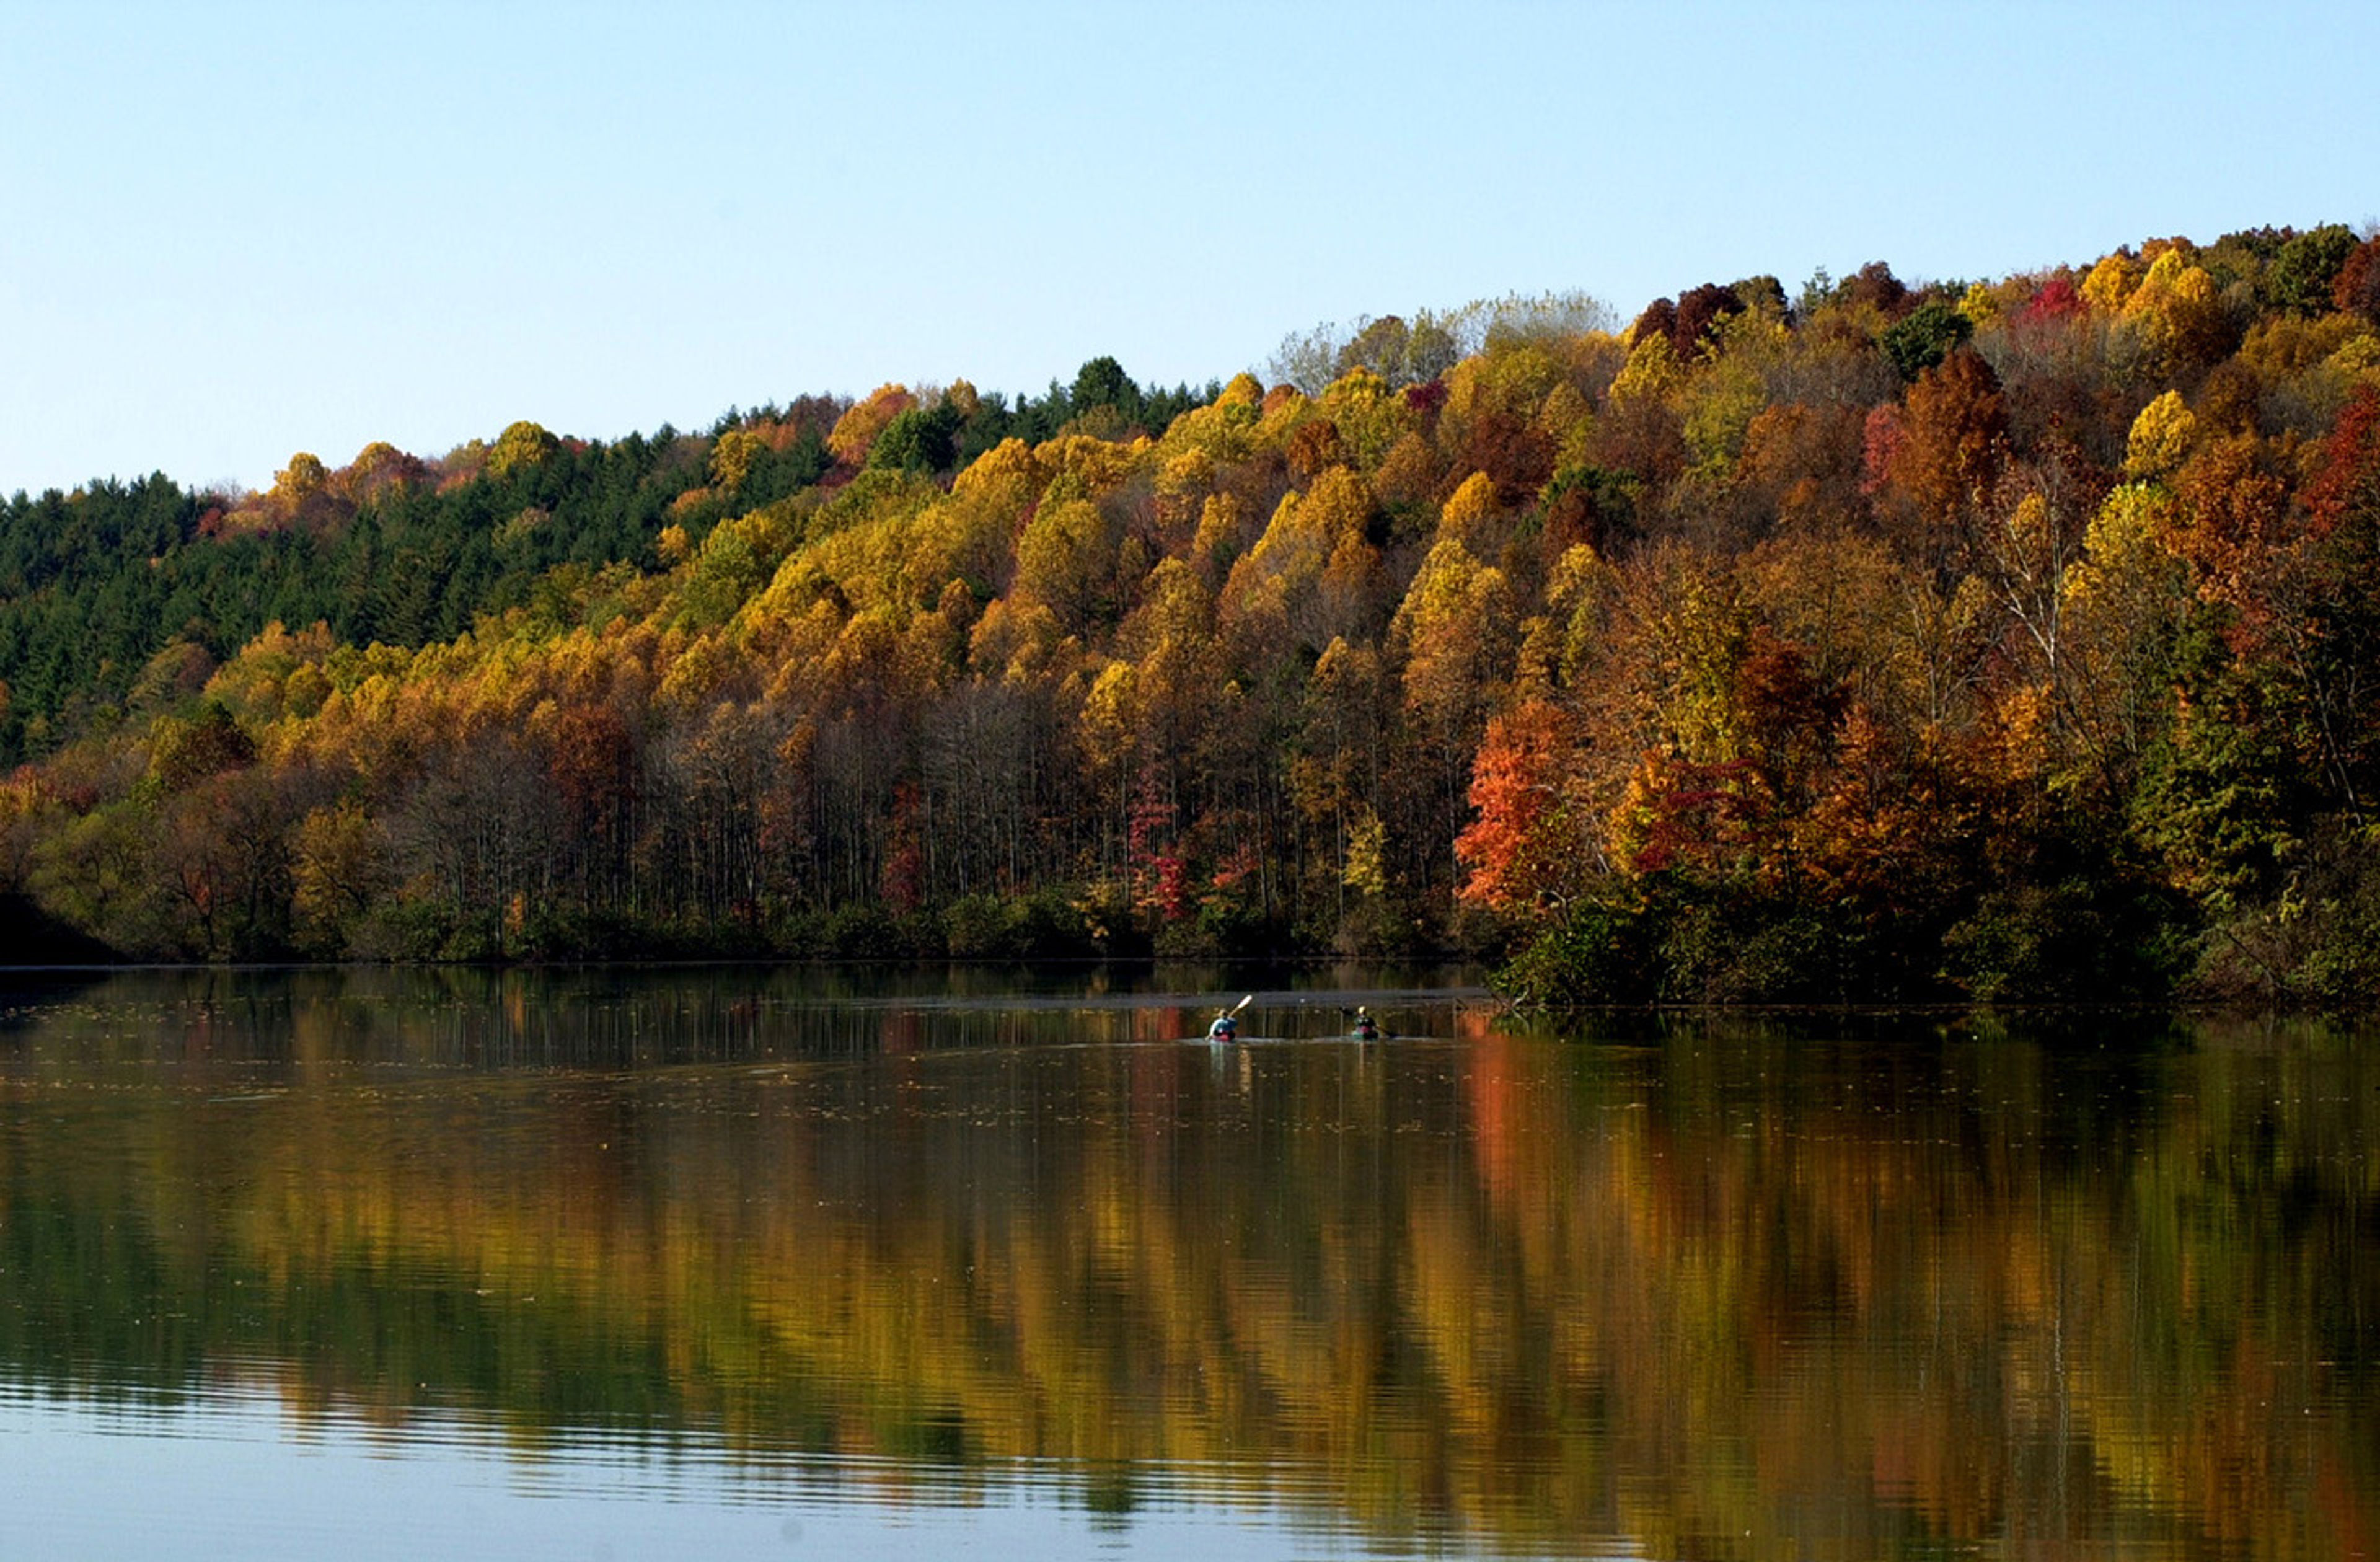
(233, 232)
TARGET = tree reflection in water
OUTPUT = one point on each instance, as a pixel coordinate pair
(1866, 1284)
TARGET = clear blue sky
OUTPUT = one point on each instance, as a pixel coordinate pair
(232, 232)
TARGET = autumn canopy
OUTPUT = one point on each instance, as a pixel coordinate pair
(1887, 641)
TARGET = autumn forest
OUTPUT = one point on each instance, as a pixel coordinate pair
(1881, 641)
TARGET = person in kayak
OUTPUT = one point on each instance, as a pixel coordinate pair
(1367, 1028)
(1225, 1029)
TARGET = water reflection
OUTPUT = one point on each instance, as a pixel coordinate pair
(1689, 1288)
(638, 1017)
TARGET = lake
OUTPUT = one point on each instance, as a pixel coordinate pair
(799, 1262)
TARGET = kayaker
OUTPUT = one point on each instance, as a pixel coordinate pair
(1367, 1028)
(1225, 1029)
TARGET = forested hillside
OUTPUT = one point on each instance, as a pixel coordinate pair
(1887, 641)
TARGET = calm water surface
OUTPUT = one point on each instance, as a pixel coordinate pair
(788, 1264)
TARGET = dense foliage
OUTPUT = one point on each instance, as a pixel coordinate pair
(2004, 639)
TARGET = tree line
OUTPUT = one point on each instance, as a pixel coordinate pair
(1880, 641)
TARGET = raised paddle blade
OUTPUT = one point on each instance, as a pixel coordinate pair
(1244, 1002)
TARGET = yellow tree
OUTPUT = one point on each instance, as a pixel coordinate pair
(1335, 780)
(1370, 418)
(732, 455)
(1171, 637)
(521, 444)
(1454, 632)
(854, 432)
(2161, 438)
(339, 871)
(2109, 287)
(2123, 599)
(2177, 309)
(1267, 597)
(1067, 560)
